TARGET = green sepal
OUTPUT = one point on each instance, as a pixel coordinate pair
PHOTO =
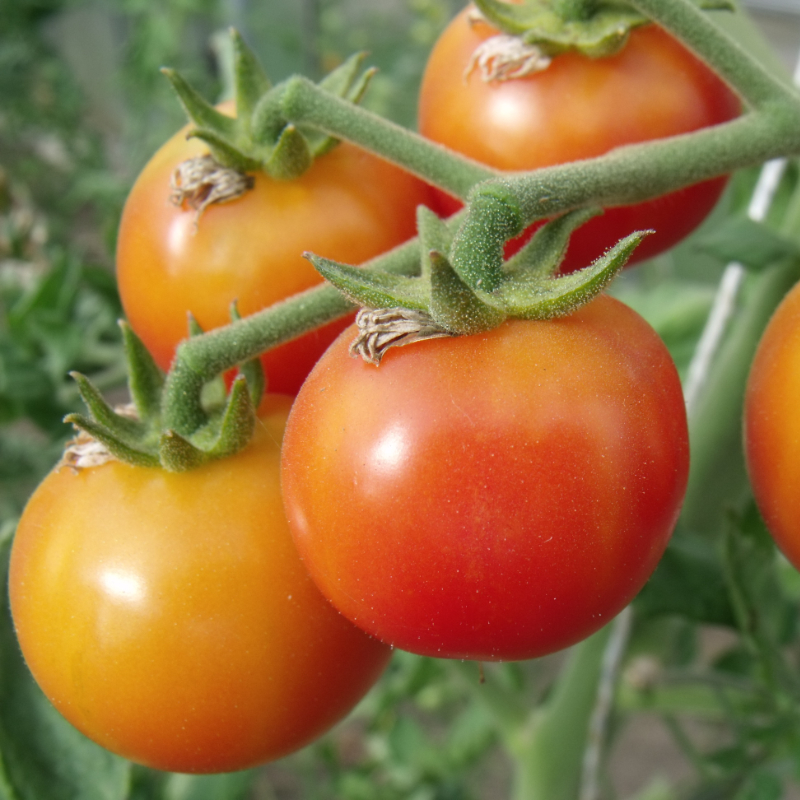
(253, 369)
(238, 422)
(177, 454)
(113, 444)
(260, 138)
(129, 431)
(555, 297)
(542, 255)
(200, 112)
(194, 327)
(145, 378)
(291, 156)
(597, 29)
(433, 234)
(371, 288)
(453, 305)
(224, 152)
(250, 79)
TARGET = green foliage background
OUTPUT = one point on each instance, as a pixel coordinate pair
(712, 660)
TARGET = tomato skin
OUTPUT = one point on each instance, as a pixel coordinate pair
(491, 497)
(575, 109)
(349, 206)
(169, 618)
(772, 426)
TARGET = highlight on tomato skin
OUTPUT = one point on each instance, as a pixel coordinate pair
(490, 497)
(168, 617)
(350, 206)
(578, 108)
(772, 426)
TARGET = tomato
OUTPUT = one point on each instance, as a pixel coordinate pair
(490, 497)
(349, 206)
(168, 616)
(772, 426)
(579, 108)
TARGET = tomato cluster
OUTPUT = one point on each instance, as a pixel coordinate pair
(497, 496)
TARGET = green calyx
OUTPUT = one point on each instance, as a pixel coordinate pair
(259, 137)
(135, 434)
(460, 301)
(596, 28)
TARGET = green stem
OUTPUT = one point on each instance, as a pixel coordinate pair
(201, 358)
(625, 176)
(548, 757)
(641, 172)
(733, 63)
(305, 103)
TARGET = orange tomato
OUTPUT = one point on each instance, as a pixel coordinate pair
(168, 617)
(579, 108)
(772, 426)
(349, 206)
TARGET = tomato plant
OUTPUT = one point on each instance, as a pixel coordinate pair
(493, 497)
(578, 108)
(168, 617)
(349, 205)
(772, 426)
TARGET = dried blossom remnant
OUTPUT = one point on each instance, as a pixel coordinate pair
(85, 452)
(382, 328)
(201, 181)
(505, 58)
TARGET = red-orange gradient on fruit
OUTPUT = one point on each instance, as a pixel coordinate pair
(168, 617)
(578, 108)
(772, 426)
(491, 497)
(349, 206)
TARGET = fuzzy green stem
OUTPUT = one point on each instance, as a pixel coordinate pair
(641, 172)
(201, 358)
(725, 56)
(305, 103)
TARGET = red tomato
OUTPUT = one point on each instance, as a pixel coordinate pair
(168, 617)
(490, 497)
(579, 108)
(349, 206)
(772, 426)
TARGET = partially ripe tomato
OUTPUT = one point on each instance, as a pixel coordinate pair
(349, 206)
(772, 426)
(579, 108)
(490, 497)
(169, 618)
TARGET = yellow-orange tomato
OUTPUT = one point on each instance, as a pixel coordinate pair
(168, 616)
(772, 426)
(349, 206)
(577, 108)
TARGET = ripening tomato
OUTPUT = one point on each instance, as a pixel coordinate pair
(491, 497)
(579, 108)
(169, 618)
(772, 426)
(349, 206)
